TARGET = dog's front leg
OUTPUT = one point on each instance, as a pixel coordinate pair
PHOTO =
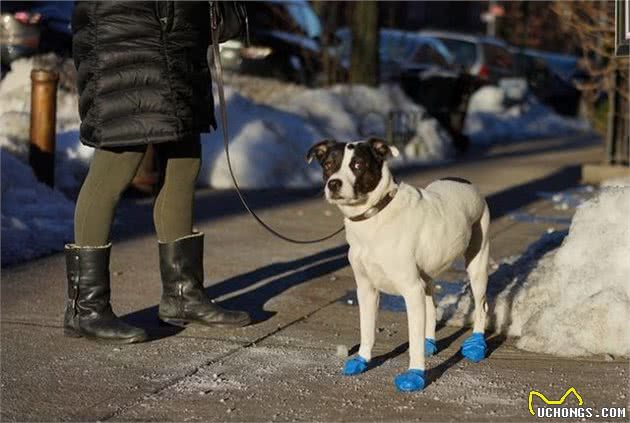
(414, 378)
(368, 310)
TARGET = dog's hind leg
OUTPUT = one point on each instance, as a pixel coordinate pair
(477, 254)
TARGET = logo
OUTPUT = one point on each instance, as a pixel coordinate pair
(571, 390)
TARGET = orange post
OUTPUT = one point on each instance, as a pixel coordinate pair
(43, 123)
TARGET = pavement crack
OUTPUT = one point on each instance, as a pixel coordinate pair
(120, 410)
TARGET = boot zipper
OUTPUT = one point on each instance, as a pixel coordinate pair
(180, 287)
(75, 286)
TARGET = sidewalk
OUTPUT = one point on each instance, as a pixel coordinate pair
(285, 366)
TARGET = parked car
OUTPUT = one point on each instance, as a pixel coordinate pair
(545, 83)
(398, 51)
(427, 73)
(28, 28)
(486, 58)
(284, 42)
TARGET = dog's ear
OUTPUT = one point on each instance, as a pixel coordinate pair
(319, 150)
(381, 149)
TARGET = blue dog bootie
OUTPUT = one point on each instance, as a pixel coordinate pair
(430, 347)
(355, 366)
(474, 348)
(410, 381)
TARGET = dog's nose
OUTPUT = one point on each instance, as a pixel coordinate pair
(334, 185)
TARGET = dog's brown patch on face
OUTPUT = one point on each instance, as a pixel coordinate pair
(366, 166)
(333, 159)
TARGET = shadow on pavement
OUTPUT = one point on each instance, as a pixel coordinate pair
(135, 218)
(283, 276)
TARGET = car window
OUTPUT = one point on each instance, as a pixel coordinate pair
(497, 56)
(426, 54)
(395, 47)
(306, 19)
(465, 52)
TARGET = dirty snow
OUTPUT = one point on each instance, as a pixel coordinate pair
(492, 119)
(569, 301)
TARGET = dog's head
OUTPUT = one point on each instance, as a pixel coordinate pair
(351, 170)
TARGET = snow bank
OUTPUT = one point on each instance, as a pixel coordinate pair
(36, 219)
(570, 301)
(490, 120)
(268, 142)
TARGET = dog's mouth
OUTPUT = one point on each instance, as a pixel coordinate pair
(339, 200)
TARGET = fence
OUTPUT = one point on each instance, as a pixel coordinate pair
(399, 126)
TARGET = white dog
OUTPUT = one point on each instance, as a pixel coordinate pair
(401, 238)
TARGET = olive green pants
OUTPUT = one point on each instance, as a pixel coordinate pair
(111, 172)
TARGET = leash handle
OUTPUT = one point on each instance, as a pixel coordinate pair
(218, 68)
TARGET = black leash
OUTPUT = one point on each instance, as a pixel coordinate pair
(218, 68)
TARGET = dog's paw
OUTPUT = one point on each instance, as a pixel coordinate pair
(430, 347)
(474, 348)
(410, 381)
(355, 366)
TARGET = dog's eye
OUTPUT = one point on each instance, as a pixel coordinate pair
(328, 165)
(357, 165)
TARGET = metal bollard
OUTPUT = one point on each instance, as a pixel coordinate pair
(43, 124)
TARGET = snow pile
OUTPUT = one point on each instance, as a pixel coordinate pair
(491, 120)
(570, 301)
(268, 143)
(36, 219)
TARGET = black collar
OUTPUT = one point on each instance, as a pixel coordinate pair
(373, 211)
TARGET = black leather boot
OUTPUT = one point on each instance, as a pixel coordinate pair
(88, 311)
(183, 297)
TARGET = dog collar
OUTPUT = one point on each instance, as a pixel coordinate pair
(373, 211)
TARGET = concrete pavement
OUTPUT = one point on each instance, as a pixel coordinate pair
(285, 366)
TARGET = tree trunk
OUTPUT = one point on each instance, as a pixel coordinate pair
(364, 61)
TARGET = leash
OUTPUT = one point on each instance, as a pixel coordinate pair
(218, 69)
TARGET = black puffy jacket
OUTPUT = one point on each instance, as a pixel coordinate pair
(142, 71)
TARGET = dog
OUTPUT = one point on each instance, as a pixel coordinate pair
(401, 238)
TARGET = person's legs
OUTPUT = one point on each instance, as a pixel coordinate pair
(179, 165)
(111, 172)
(184, 299)
(88, 311)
